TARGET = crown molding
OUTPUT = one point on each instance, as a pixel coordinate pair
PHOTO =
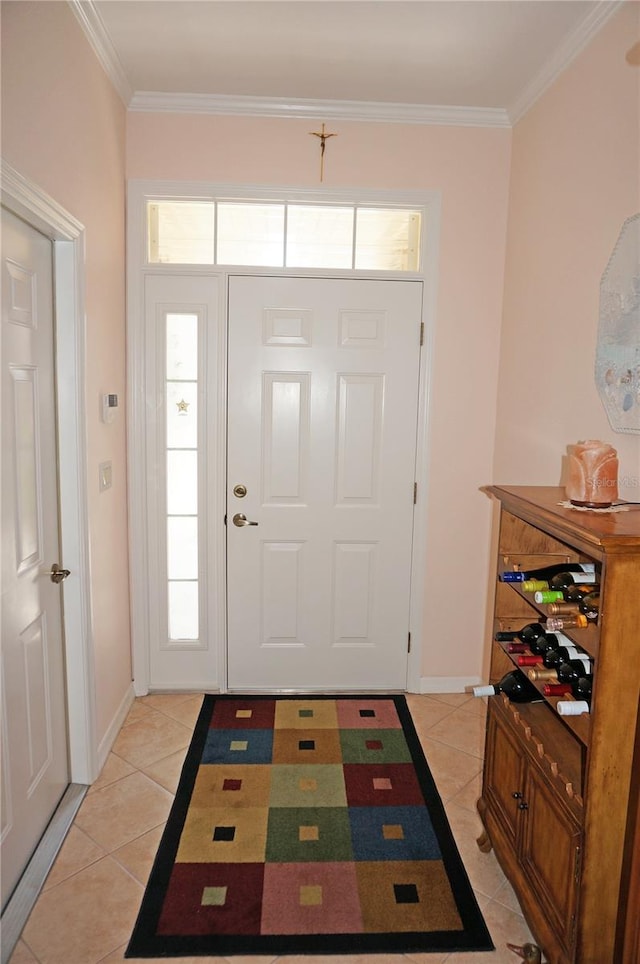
(346, 110)
(97, 35)
(562, 57)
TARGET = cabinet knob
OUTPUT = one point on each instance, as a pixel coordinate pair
(516, 795)
(523, 806)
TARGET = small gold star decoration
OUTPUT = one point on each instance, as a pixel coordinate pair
(323, 145)
(183, 407)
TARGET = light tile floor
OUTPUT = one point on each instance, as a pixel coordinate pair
(90, 900)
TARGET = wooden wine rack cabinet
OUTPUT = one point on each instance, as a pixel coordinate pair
(560, 795)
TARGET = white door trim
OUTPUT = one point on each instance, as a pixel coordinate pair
(139, 191)
(26, 200)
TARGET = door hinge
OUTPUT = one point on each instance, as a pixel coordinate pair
(225, 519)
(421, 333)
(408, 642)
(577, 865)
(415, 492)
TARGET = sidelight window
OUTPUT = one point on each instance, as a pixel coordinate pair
(181, 434)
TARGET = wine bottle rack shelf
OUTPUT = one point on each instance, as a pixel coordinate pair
(587, 638)
(560, 794)
(580, 726)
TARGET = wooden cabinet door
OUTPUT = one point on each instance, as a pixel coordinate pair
(550, 850)
(504, 774)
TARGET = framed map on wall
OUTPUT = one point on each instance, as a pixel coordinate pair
(617, 369)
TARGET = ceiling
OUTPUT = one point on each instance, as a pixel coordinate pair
(490, 58)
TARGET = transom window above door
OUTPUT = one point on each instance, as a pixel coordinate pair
(283, 235)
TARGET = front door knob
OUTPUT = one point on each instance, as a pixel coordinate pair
(240, 519)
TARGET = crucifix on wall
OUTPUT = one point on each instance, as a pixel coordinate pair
(323, 144)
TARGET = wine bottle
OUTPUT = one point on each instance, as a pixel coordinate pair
(570, 621)
(590, 606)
(517, 648)
(540, 673)
(548, 571)
(572, 707)
(542, 644)
(525, 635)
(583, 687)
(557, 689)
(529, 659)
(547, 596)
(515, 685)
(576, 593)
(580, 689)
(534, 585)
(563, 580)
(559, 639)
(562, 608)
(553, 657)
(553, 594)
(549, 646)
(545, 592)
(531, 632)
(571, 671)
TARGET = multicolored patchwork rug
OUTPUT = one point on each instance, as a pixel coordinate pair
(307, 824)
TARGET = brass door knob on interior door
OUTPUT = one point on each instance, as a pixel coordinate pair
(56, 573)
(240, 519)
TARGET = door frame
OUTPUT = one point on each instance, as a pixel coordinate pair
(27, 201)
(138, 193)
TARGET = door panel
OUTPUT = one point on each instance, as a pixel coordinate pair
(323, 388)
(354, 568)
(286, 437)
(551, 847)
(34, 735)
(503, 772)
(359, 432)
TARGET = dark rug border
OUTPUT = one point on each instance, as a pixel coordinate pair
(145, 943)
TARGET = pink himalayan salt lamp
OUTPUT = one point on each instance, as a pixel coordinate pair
(593, 474)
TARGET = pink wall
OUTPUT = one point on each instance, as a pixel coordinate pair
(575, 179)
(63, 127)
(470, 167)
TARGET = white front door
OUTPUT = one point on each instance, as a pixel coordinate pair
(322, 407)
(34, 733)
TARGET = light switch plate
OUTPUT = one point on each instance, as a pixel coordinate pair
(105, 476)
(109, 408)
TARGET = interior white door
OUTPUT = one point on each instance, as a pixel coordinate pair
(34, 732)
(323, 391)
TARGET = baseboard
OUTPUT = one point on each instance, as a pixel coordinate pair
(107, 741)
(448, 684)
(196, 687)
